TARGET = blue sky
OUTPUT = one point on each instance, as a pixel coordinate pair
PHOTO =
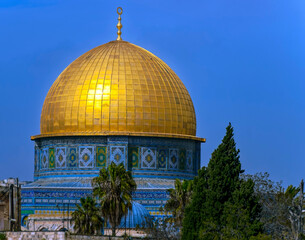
(242, 61)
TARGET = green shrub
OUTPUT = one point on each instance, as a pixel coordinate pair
(3, 236)
(261, 237)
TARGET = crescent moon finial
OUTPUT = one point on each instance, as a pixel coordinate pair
(119, 25)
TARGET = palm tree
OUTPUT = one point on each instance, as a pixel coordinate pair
(292, 200)
(179, 198)
(86, 217)
(114, 187)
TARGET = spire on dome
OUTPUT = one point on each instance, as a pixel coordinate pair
(119, 25)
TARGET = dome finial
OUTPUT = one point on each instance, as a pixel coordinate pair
(119, 25)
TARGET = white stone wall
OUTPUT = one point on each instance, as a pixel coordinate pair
(55, 236)
(38, 223)
(35, 235)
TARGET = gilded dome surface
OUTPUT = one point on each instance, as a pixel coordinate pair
(118, 88)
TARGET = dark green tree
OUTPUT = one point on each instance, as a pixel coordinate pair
(223, 206)
(195, 212)
(86, 217)
(243, 213)
(224, 169)
(114, 187)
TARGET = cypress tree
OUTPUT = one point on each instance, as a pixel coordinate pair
(224, 169)
(242, 214)
(195, 212)
(221, 201)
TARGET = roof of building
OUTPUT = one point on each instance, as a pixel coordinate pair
(137, 217)
(118, 88)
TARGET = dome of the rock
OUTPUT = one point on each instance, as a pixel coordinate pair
(118, 88)
(117, 103)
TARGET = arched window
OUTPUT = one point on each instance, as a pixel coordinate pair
(24, 221)
(43, 229)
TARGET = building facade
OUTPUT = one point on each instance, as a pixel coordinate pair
(10, 205)
(116, 103)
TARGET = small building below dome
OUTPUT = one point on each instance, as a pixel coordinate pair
(135, 218)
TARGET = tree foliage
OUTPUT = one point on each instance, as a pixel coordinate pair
(179, 198)
(3, 236)
(281, 213)
(242, 214)
(224, 169)
(223, 205)
(114, 187)
(86, 217)
(195, 212)
(160, 229)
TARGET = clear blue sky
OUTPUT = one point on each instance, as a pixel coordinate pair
(242, 62)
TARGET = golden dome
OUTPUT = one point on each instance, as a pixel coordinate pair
(118, 88)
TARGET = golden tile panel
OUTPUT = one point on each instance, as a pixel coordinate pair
(122, 88)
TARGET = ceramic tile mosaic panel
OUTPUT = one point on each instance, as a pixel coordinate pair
(60, 157)
(173, 159)
(133, 157)
(101, 156)
(189, 160)
(148, 157)
(117, 154)
(72, 157)
(162, 158)
(44, 159)
(86, 157)
(51, 158)
(37, 158)
(182, 159)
